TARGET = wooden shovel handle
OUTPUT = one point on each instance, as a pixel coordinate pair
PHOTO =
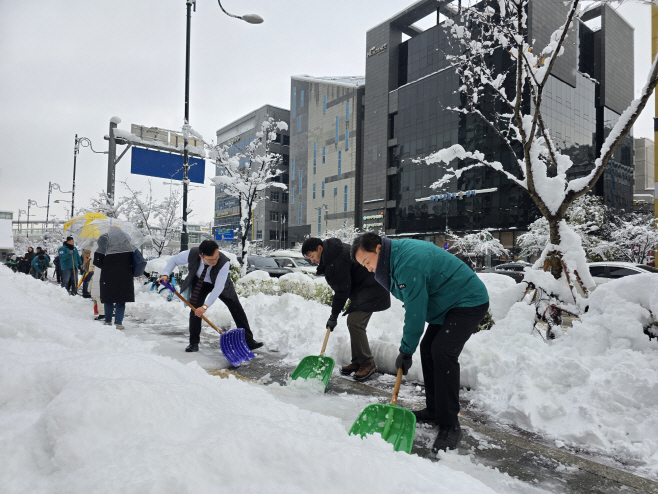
(202, 317)
(396, 389)
(326, 339)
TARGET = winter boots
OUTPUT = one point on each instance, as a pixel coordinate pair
(192, 347)
(365, 371)
(424, 415)
(448, 438)
(346, 370)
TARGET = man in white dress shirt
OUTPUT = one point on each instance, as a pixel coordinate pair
(208, 280)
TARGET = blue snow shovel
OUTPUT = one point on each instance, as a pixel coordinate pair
(232, 342)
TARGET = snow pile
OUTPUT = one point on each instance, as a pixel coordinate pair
(595, 387)
(85, 408)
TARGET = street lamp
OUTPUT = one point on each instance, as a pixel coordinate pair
(53, 186)
(251, 19)
(84, 142)
(19, 219)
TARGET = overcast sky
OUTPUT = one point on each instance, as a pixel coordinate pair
(67, 67)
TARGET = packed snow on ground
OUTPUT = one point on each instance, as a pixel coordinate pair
(88, 408)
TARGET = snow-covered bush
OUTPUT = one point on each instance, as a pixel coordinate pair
(294, 283)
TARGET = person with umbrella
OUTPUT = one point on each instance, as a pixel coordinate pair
(114, 257)
(209, 279)
(435, 287)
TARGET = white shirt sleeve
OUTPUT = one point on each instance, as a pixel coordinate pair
(177, 260)
(220, 282)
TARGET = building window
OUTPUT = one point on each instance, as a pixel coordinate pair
(319, 221)
(324, 105)
(347, 140)
(299, 123)
(292, 196)
(313, 191)
(284, 198)
(324, 154)
(340, 159)
(274, 235)
(299, 221)
(337, 122)
(335, 191)
(259, 234)
(274, 196)
(294, 100)
(345, 200)
(315, 155)
(293, 168)
(301, 101)
(274, 216)
(300, 180)
(347, 111)
(322, 189)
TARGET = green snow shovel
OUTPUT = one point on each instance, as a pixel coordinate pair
(316, 367)
(395, 424)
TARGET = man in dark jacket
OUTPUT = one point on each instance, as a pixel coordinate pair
(208, 278)
(437, 288)
(350, 281)
(40, 266)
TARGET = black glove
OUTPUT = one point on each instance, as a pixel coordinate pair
(332, 322)
(404, 361)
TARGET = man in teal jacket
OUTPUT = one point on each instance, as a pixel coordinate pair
(70, 261)
(441, 290)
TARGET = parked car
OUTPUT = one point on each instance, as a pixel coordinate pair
(512, 269)
(297, 265)
(267, 264)
(606, 271)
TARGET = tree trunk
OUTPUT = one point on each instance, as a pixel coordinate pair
(554, 258)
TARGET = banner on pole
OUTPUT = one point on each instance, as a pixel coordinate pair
(224, 235)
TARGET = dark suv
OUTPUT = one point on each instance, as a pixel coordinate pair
(268, 264)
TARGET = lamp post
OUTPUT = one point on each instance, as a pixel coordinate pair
(84, 142)
(53, 186)
(251, 19)
(19, 219)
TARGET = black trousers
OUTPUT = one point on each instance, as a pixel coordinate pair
(439, 356)
(230, 299)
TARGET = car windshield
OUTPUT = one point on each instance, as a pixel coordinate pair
(651, 269)
(263, 262)
(303, 262)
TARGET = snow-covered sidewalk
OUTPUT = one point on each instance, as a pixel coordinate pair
(87, 408)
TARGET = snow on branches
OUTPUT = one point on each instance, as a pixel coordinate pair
(476, 246)
(247, 174)
(502, 82)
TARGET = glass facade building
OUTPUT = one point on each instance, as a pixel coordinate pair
(410, 86)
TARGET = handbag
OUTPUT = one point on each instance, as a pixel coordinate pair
(139, 263)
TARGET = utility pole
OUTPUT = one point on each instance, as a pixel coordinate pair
(111, 159)
(186, 166)
(654, 52)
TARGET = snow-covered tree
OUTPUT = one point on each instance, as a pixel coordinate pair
(588, 217)
(249, 173)
(508, 98)
(347, 233)
(477, 245)
(159, 221)
(635, 238)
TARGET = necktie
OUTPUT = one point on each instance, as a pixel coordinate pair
(197, 287)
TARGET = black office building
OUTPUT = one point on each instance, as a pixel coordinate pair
(409, 83)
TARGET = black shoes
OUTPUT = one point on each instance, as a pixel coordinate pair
(424, 415)
(254, 344)
(192, 347)
(448, 438)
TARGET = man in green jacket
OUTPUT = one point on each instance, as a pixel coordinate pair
(441, 290)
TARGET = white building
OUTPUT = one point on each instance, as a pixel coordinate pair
(6, 235)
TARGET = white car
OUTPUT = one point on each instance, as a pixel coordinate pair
(602, 272)
(297, 265)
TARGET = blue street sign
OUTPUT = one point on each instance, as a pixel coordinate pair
(166, 165)
(224, 235)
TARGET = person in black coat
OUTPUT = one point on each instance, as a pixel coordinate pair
(116, 281)
(352, 281)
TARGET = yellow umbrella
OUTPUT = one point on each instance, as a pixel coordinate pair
(84, 219)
